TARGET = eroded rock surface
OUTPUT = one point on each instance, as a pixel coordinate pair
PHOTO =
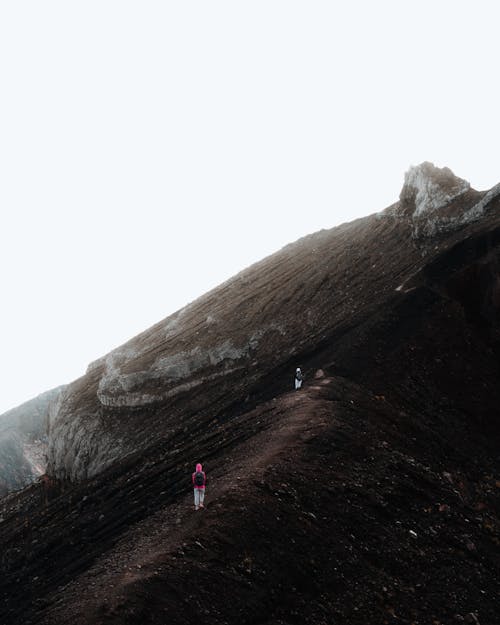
(435, 201)
(428, 188)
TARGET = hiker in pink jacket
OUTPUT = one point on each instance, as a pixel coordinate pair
(199, 480)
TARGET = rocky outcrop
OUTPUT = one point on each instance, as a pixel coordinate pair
(23, 440)
(427, 189)
(435, 201)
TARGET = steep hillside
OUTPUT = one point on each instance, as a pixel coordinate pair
(369, 496)
(23, 441)
(243, 335)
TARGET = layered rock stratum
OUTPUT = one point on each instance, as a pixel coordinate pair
(369, 496)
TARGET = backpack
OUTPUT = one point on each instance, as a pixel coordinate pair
(199, 478)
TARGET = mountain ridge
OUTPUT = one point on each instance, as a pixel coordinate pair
(370, 495)
(224, 333)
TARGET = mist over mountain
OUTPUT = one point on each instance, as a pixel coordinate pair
(23, 441)
(369, 496)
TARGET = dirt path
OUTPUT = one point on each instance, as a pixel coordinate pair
(146, 545)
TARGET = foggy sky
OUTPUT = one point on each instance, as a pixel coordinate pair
(151, 150)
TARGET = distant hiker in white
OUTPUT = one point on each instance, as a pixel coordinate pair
(298, 378)
(199, 480)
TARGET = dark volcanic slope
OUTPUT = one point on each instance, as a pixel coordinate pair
(242, 336)
(371, 496)
(235, 342)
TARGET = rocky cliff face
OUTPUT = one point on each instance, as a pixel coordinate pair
(245, 333)
(23, 441)
(435, 201)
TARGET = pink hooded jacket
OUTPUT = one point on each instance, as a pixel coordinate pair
(199, 468)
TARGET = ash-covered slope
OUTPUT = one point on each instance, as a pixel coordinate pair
(371, 496)
(238, 339)
(23, 441)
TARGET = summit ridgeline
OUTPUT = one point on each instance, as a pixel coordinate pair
(233, 342)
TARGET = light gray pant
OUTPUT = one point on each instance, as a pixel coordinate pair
(298, 383)
(199, 497)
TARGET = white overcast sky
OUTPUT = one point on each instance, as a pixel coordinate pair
(151, 149)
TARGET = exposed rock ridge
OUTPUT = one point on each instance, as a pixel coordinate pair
(428, 188)
(435, 201)
(478, 210)
(117, 387)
